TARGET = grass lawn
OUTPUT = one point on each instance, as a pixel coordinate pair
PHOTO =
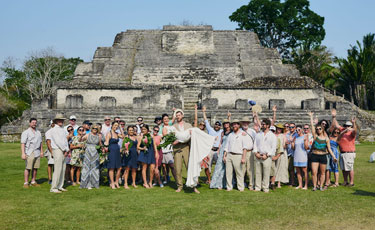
(162, 208)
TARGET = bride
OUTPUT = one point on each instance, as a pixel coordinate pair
(200, 146)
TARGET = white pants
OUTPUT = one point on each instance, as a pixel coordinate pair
(233, 161)
(262, 177)
(59, 169)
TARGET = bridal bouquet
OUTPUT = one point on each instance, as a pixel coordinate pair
(146, 141)
(126, 145)
(167, 140)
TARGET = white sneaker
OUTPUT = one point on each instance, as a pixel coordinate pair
(89, 188)
(63, 190)
(165, 182)
(161, 186)
(55, 191)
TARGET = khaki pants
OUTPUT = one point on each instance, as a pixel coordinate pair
(249, 168)
(59, 169)
(181, 154)
(262, 177)
(233, 161)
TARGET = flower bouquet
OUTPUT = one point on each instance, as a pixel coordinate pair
(102, 155)
(126, 145)
(146, 141)
(167, 140)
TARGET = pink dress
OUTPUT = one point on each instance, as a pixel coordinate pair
(157, 140)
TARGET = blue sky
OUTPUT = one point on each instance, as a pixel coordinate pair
(76, 28)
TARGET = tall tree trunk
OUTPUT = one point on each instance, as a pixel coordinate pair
(365, 99)
(351, 93)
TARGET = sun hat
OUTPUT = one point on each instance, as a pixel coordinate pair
(245, 119)
(59, 116)
(235, 121)
(279, 125)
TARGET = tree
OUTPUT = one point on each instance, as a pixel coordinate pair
(44, 68)
(281, 25)
(316, 63)
(357, 72)
(34, 80)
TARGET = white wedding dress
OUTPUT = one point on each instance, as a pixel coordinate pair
(200, 146)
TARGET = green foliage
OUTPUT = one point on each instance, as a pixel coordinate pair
(34, 80)
(281, 25)
(356, 74)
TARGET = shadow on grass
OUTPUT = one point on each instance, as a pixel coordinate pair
(42, 180)
(363, 193)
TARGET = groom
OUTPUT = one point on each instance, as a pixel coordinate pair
(181, 150)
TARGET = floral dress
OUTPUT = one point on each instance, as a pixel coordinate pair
(77, 154)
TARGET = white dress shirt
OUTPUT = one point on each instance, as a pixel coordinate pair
(265, 143)
(250, 138)
(32, 140)
(236, 143)
(58, 138)
(105, 129)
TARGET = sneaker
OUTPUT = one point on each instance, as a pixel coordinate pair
(165, 182)
(63, 190)
(161, 186)
(55, 191)
(154, 184)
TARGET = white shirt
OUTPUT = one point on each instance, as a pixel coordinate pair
(58, 138)
(32, 140)
(265, 143)
(250, 138)
(105, 129)
(236, 143)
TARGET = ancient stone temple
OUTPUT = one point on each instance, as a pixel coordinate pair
(148, 72)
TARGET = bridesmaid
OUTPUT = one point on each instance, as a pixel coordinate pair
(218, 177)
(148, 151)
(90, 171)
(159, 156)
(333, 165)
(131, 156)
(114, 156)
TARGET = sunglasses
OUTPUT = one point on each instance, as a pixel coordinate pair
(69, 130)
(306, 128)
(73, 119)
(318, 128)
(107, 119)
(156, 130)
(140, 120)
(122, 124)
(80, 130)
(337, 132)
(95, 129)
(291, 127)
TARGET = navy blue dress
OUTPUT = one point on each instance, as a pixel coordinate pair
(149, 156)
(131, 160)
(114, 156)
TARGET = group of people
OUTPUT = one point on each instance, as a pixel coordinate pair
(270, 154)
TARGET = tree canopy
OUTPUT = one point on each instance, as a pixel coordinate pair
(281, 25)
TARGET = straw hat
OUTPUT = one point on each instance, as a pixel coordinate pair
(235, 121)
(257, 108)
(59, 116)
(280, 126)
(245, 119)
(178, 110)
(226, 121)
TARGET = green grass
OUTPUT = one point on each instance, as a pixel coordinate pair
(162, 208)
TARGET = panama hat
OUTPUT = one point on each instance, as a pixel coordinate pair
(245, 119)
(235, 121)
(178, 110)
(59, 116)
(226, 121)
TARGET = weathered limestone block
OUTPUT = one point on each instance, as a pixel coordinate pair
(44, 103)
(74, 101)
(280, 103)
(173, 103)
(210, 103)
(141, 103)
(311, 104)
(241, 104)
(107, 102)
